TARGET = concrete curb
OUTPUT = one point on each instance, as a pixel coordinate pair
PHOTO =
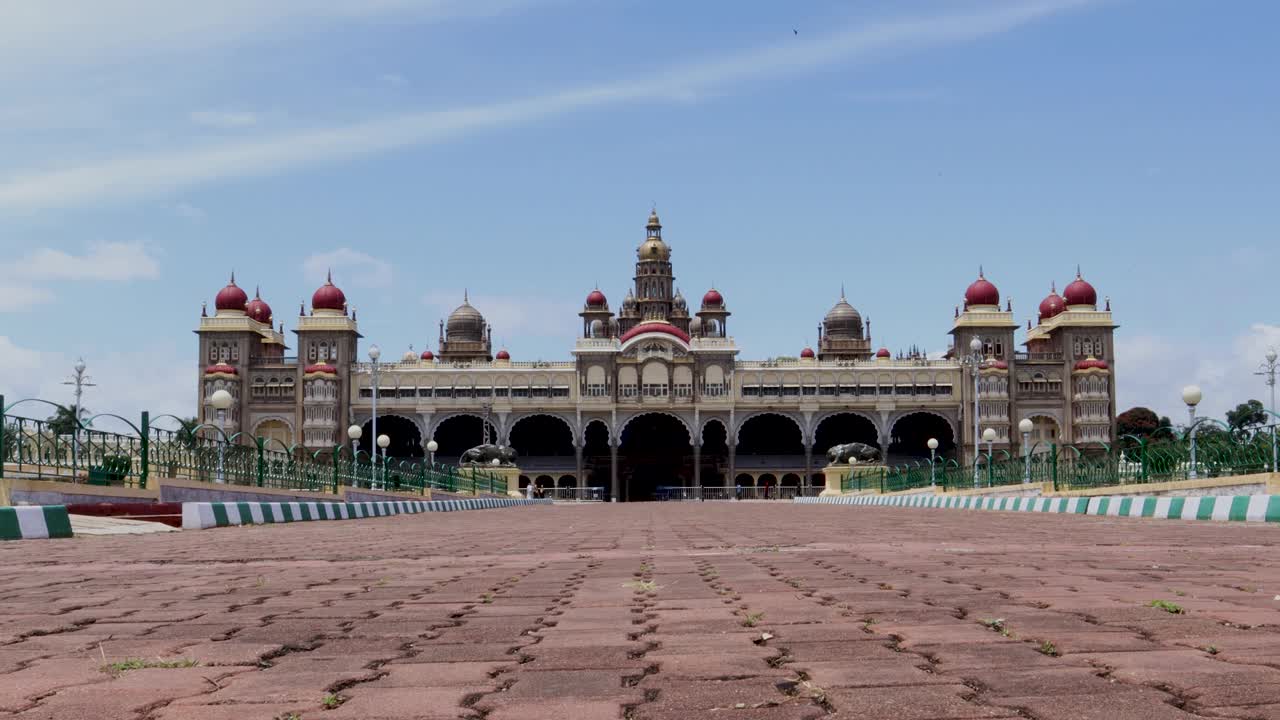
(200, 515)
(34, 521)
(1243, 508)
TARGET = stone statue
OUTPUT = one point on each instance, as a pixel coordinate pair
(487, 453)
(852, 453)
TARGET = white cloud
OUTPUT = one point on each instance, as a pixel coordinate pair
(153, 172)
(224, 118)
(19, 297)
(353, 267)
(190, 212)
(513, 316)
(104, 261)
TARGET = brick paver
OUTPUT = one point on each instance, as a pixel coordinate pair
(746, 611)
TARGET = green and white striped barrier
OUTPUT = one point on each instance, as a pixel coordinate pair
(1243, 508)
(34, 521)
(200, 515)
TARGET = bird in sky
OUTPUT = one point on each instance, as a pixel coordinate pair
(795, 31)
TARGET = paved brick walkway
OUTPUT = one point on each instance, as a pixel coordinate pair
(738, 611)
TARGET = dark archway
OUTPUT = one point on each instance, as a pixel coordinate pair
(770, 434)
(595, 454)
(791, 480)
(406, 440)
(541, 436)
(566, 481)
(910, 436)
(654, 452)
(715, 453)
(545, 481)
(460, 433)
(842, 428)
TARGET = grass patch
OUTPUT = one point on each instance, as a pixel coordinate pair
(1169, 607)
(1211, 649)
(1048, 648)
(642, 585)
(122, 666)
(331, 701)
(487, 598)
(752, 619)
(996, 625)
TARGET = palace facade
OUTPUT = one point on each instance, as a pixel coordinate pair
(656, 394)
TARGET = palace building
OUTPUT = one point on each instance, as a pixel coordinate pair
(655, 393)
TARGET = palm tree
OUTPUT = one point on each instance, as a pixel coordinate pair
(63, 422)
(187, 433)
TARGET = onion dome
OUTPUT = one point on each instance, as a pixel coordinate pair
(842, 321)
(659, 327)
(329, 297)
(1052, 304)
(221, 369)
(883, 353)
(678, 300)
(258, 309)
(1092, 363)
(503, 355)
(596, 299)
(981, 292)
(653, 248)
(427, 355)
(231, 297)
(409, 356)
(995, 365)
(807, 353)
(1080, 292)
(465, 323)
(713, 299)
(320, 369)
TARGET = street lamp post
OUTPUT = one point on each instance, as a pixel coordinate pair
(383, 442)
(375, 352)
(432, 447)
(933, 454)
(355, 432)
(1191, 395)
(988, 436)
(81, 381)
(974, 361)
(1025, 427)
(221, 400)
(1268, 371)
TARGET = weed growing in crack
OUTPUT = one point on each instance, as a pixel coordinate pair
(752, 619)
(997, 625)
(1048, 648)
(1211, 649)
(642, 586)
(116, 668)
(1169, 607)
(332, 700)
(487, 598)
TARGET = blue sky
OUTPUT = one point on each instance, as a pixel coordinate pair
(514, 147)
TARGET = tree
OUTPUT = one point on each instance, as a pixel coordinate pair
(1246, 416)
(1139, 422)
(63, 422)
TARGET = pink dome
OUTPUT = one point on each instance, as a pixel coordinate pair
(428, 355)
(713, 298)
(320, 368)
(329, 297)
(981, 292)
(231, 297)
(1052, 304)
(1080, 292)
(659, 327)
(503, 355)
(1092, 363)
(258, 309)
(995, 365)
(221, 369)
(596, 299)
(883, 353)
(806, 353)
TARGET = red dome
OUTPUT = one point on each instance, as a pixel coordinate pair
(329, 297)
(1092, 363)
(320, 368)
(258, 309)
(806, 353)
(713, 298)
(221, 369)
(503, 355)
(231, 297)
(883, 353)
(596, 299)
(1052, 304)
(982, 292)
(648, 327)
(427, 355)
(995, 365)
(1080, 292)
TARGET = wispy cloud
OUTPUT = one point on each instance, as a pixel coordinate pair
(20, 298)
(224, 118)
(353, 267)
(157, 172)
(117, 261)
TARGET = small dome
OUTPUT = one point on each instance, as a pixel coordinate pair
(596, 299)
(842, 321)
(981, 292)
(258, 309)
(806, 353)
(1080, 292)
(1092, 363)
(713, 299)
(883, 353)
(653, 249)
(465, 323)
(995, 365)
(428, 355)
(1052, 304)
(329, 297)
(409, 356)
(231, 297)
(221, 369)
(320, 368)
(503, 355)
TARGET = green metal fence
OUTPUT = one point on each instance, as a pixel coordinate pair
(32, 448)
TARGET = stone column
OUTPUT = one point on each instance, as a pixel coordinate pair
(808, 465)
(613, 470)
(577, 457)
(697, 465)
(731, 477)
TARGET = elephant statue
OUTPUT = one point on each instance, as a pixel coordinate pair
(852, 453)
(487, 453)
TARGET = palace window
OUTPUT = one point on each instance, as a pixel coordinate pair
(682, 390)
(809, 390)
(500, 392)
(713, 389)
(519, 392)
(540, 391)
(867, 390)
(941, 389)
(597, 390)
(627, 390)
(829, 390)
(750, 391)
(560, 391)
(483, 392)
(655, 390)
